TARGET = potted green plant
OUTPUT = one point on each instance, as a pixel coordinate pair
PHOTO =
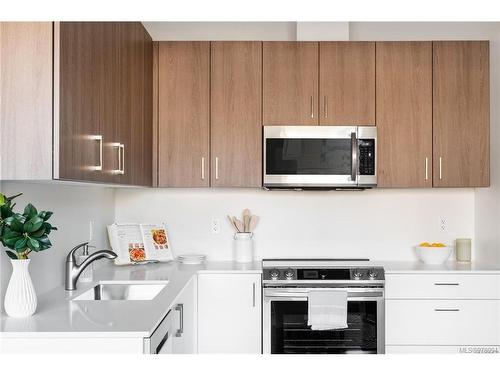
(22, 233)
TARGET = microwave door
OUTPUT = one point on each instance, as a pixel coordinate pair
(309, 157)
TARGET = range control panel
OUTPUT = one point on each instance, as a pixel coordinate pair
(323, 274)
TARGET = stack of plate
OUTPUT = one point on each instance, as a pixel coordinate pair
(191, 259)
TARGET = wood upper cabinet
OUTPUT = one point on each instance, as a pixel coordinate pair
(26, 100)
(290, 79)
(183, 114)
(80, 146)
(347, 83)
(81, 88)
(236, 114)
(134, 118)
(461, 107)
(404, 114)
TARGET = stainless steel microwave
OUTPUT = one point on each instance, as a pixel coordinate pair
(322, 157)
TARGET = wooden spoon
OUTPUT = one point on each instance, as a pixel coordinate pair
(232, 223)
(239, 224)
(253, 223)
(246, 219)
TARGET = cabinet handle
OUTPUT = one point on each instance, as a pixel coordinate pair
(253, 294)
(202, 168)
(447, 284)
(216, 168)
(180, 308)
(325, 99)
(122, 148)
(118, 146)
(312, 107)
(440, 168)
(446, 310)
(97, 138)
(426, 169)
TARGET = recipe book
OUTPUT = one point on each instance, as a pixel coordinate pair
(134, 242)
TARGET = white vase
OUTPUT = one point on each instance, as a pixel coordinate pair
(20, 297)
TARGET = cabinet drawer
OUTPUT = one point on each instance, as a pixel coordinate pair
(442, 286)
(442, 322)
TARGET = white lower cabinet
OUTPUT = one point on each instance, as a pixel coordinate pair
(442, 322)
(229, 313)
(442, 313)
(184, 320)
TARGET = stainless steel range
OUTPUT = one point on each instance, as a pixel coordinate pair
(286, 284)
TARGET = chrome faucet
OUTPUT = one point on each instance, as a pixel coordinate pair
(73, 270)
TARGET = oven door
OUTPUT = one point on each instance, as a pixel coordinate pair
(285, 329)
(310, 156)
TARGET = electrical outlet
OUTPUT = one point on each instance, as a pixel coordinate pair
(443, 225)
(215, 226)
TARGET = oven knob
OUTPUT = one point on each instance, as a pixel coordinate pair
(323, 274)
(274, 274)
(289, 274)
(357, 274)
(373, 274)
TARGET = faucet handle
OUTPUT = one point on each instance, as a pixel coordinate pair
(71, 254)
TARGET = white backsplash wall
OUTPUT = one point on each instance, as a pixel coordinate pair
(73, 207)
(376, 224)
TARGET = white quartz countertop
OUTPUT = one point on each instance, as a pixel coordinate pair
(448, 267)
(58, 315)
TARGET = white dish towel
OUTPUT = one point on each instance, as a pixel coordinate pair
(327, 309)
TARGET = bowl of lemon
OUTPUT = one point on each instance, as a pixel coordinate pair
(433, 253)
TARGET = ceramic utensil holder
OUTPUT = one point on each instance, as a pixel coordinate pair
(243, 247)
(463, 249)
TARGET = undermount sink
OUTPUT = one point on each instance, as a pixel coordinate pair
(132, 291)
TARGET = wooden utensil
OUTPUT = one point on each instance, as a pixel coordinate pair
(232, 223)
(253, 223)
(239, 224)
(246, 219)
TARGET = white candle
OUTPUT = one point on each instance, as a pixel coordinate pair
(463, 249)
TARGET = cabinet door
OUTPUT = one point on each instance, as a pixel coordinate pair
(183, 119)
(236, 114)
(461, 114)
(347, 83)
(81, 142)
(184, 321)
(146, 178)
(404, 114)
(290, 79)
(26, 100)
(229, 313)
(110, 84)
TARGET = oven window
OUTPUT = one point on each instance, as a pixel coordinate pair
(308, 156)
(291, 335)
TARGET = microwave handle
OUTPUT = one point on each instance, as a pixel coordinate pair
(354, 156)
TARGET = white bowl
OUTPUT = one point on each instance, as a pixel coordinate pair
(433, 255)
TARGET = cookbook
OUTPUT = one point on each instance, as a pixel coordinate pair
(135, 243)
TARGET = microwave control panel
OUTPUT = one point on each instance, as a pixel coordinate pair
(366, 156)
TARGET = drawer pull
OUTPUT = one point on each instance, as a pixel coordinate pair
(447, 310)
(447, 284)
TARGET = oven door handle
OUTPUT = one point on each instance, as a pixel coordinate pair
(296, 294)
